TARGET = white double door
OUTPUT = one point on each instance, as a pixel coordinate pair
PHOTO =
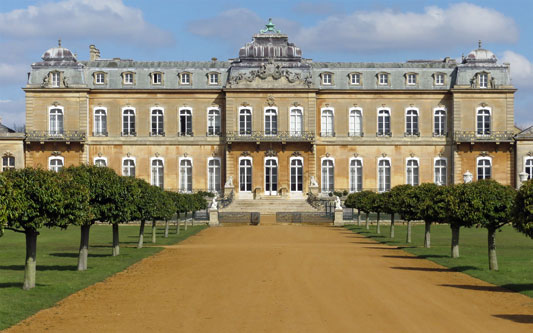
(271, 176)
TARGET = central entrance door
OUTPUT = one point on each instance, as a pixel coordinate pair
(271, 176)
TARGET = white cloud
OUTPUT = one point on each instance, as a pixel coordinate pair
(95, 19)
(521, 69)
(12, 111)
(13, 73)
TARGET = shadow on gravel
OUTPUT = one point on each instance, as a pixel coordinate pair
(76, 255)
(437, 269)
(520, 318)
(479, 288)
(41, 267)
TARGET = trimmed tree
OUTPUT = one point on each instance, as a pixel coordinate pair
(378, 206)
(147, 206)
(523, 209)
(362, 201)
(9, 205)
(407, 205)
(390, 206)
(167, 209)
(431, 200)
(459, 200)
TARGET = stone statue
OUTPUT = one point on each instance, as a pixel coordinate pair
(338, 203)
(45, 81)
(65, 81)
(229, 182)
(214, 203)
(313, 182)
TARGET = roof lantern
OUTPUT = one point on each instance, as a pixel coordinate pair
(58, 53)
(480, 55)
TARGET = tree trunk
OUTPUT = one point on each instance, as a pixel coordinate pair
(455, 242)
(192, 219)
(141, 235)
(116, 246)
(493, 260)
(185, 222)
(408, 231)
(392, 225)
(166, 228)
(427, 235)
(84, 247)
(178, 224)
(378, 230)
(366, 222)
(154, 231)
(31, 257)
(358, 218)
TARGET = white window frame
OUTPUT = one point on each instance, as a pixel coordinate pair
(483, 84)
(156, 75)
(55, 83)
(412, 79)
(327, 79)
(436, 79)
(184, 81)
(214, 82)
(486, 158)
(102, 131)
(417, 120)
(188, 158)
(292, 158)
(357, 77)
(152, 159)
(327, 133)
(219, 118)
(292, 131)
(50, 158)
(526, 159)
(251, 173)
(445, 127)
(58, 131)
(377, 174)
(275, 131)
(445, 169)
(152, 109)
(97, 77)
(321, 173)
(219, 174)
(122, 119)
(251, 120)
(350, 131)
(350, 178)
(384, 133)
(490, 120)
(125, 81)
(100, 158)
(271, 158)
(191, 132)
(407, 160)
(381, 82)
(134, 165)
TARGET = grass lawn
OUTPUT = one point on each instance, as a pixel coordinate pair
(57, 258)
(515, 252)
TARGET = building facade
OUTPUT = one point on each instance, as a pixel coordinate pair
(272, 123)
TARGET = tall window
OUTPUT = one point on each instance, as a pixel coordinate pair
(412, 172)
(128, 167)
(483, 122)
(271, 122)
(100, 162)
(213, 122)
(55, 79)
(158, 172)
(356, 175)
(383, 175)
(328, 175)
(439, 123)
(245, 175)
(100, 122)
(383, 79)
(528, 168)
(355, 122)
(128, 122)
(56, 121)
(185, 122)
(55, 164)
(213, 175)
(157, 123)
(483, 80)
(186, 175)
(297, 170)
(411, 122)
(440, 171)
(327, 127)
(484, 168)
(8, 162)
(383, 122)
(296, 121)
(245, 122)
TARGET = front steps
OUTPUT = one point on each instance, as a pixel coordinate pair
(269, 206)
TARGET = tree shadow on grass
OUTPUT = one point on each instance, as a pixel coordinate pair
(17, 285)
(76, 255)
(42, 267)
(519, 286)
(438, 269)
(517, 318)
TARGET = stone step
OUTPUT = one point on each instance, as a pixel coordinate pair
(269, 206)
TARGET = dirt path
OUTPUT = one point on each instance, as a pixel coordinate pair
(286, 279)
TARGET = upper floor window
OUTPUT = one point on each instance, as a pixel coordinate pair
(296, 121)
(157, 78)
(99, 78)
(412, 172)
(186, 175)
(158, 172)
(128, 122)
(483, 79)
(185, 122)
(56, 121)
(213, 121)
(128, 167)
(326, 123)
(56, 163)
(328, 175)
(271, 121)
(411, 122)
(440, 171)
(8, 162)
(127, 78)
(245, 122)
(355, 122)
(483, 122)
(438, 79)
(213, 78)
(383, 79)
(185, 78)
(356, 175)
(56, 79)
(158, 128)
(484, 168)
(100, 161)
(327, 78)
(355, 79)
(383, 122)
(439, 122)
(213, 175)
(528, 167)
(384, 175)
(100, 122)
(411, 79)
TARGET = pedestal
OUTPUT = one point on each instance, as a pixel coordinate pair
(227, 190)
(314, 190)
(213, 217)
(338, 220)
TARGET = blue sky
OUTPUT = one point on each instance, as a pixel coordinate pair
(325, 30)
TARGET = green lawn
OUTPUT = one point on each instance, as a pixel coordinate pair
(57, 263)
(515, 252)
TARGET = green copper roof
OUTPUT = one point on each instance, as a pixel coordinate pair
(270, 28)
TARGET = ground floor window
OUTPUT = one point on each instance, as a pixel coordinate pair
(328, 174)
(245, 175)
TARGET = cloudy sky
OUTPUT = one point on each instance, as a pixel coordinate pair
(347, 30)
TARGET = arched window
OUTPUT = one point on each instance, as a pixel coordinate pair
(245, 175)
(484, 168)
(439, 122)
(128, 122)
(327, 125)
(158, 172)
(355, 123)
(440, 171)
(213, 175)
(213, 122)
(100, 122)
(128, 167)
(56, 121)
(157, 123)
(245, 122)
(100, 161)
(297, 171)
(186, 175)
(384, 175)
(185, 122)
(412, 172)
(271, 121)
(383, 122)
(328, 175)
(8, 162)
(483, 122)
(356, 175)
(411, 122)
(56, 163)
(296, 121)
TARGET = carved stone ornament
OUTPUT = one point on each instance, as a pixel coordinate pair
(383, 105)
(55, 103)
(355, 105)
(384, 154)
(412, 154)
(214, 105)
(271, 100)
(484, 153)
(8, 154)
(327, 105)
(245, 104)
(274, 71)
(245, 153)
(483, 104)
(156, 154)
(355, 154)
(441, 153)
(56, 153)
(296, 104)
(184, 154)
(271, 153)
(99, 154)
(296, 154)
(327, 155)
(530, 153)
(128, 154)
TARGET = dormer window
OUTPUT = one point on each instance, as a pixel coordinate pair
(213, 78)
(55, 79)
(327, 79)
(383, 79)
(185, 78)
(438, 79)
(99, 78)
(411, 79)
(157, 78)
(355, 79)
(127, 78)
(483, 79)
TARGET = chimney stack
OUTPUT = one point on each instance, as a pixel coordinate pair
(94, 53)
